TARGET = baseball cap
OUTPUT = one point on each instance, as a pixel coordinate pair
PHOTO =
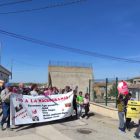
(8, 85)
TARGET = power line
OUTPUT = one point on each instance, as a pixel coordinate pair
(43, 7)
(8, 63)
(28, 64)
(68, 48)
(15, 2)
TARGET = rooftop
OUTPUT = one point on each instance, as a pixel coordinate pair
(137, 77)
(134, 86)
(2, 69)
(99, 84)
(70, 64)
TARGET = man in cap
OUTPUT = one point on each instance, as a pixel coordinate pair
(67, 89)
(5, 97)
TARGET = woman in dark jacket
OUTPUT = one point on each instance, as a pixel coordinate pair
(74, 102)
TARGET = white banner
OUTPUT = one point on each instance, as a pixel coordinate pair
(29, 109)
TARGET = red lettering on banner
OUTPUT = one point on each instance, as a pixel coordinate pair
(20, 100)
(31, 101)
(51, 100)
(35, 101)
(26, 101)
(19, 114)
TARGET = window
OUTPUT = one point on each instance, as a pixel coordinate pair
(133, 94)
(134, 82)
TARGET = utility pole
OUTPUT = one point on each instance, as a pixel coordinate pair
(11, 67)
(0, 53)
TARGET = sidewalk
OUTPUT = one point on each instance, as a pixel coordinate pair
(95, 128)
(41, 133)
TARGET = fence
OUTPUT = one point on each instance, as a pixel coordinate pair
(104, 91)
(70, 64)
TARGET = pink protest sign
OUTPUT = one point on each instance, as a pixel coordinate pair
(123, 88)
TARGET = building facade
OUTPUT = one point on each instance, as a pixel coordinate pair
(72, 76)
(136, 80)
(4, 74)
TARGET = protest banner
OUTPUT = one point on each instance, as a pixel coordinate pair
(29, 109)
(133, 109)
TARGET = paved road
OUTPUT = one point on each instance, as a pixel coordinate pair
(98, 126)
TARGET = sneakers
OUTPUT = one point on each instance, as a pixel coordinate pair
(128, 129)
(9, 129)
(80, 117)
(1, 127)
(136, 136)
(86, 117)
(122, 130)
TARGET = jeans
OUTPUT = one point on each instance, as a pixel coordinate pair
(79, 107)
(138, 130)
(121, 120)
(6, 113)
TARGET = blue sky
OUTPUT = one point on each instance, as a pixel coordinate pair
(101, 26)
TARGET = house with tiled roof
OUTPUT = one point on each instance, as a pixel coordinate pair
(100, 89)
(136, 80)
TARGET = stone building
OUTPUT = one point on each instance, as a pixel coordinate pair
(70, 75)
(4, 74)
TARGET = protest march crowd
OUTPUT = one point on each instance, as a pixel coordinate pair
(5, 91)
(78, 103)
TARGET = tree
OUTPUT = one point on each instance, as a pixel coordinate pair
(95, 96)
(112, 91)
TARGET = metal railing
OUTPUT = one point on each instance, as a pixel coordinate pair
(105, 92)
(70, 64)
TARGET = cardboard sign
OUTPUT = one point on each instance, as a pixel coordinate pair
(132, 112)
(134, 103)
(133, 109)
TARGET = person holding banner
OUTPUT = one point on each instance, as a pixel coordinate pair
(121, 108)
(54, 92)
(5, 97)
(79, 101)
(74, 102)
(67, 90)
(49, 90)
(33, 91)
